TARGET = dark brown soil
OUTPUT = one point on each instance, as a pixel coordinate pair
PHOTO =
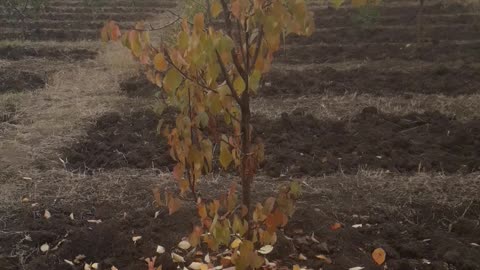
(17, 53)
(411, 11)
(410, 231)
(438, 80)
(108, 243)
(440, 52)
(117, 141)
(410, 20)
(302, 145)
(386, 34)
(52, 34)
(139, 86)
(14, 80)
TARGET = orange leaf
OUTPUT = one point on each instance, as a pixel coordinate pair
(173, 204)
(202, 210)
(379, 256)
(156, 195)
(115, 32)
(159, 62)
(235, 8)
(198, 22)
(335, 226)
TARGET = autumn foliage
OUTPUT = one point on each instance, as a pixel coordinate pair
(210, 76)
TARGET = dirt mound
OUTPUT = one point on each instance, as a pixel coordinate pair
(117, 141)
(300, 144)
(438, 80)
(14, 81)
(139, 86)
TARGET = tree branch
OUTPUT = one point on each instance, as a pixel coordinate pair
(169, 60)
(257, 48)
(227, 78)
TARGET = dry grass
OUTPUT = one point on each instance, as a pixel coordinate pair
(55, 116)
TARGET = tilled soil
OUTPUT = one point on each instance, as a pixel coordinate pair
(139, 86)
(440, 79)
(299, 144)
(420, 233)
(117, 141)
(15, 80)
(323, 53)
(18, 52)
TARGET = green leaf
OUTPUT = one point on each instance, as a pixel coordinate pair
(172, 80)
(337, 3)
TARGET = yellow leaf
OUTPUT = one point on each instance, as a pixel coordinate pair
(216, 8)
(225, 155)
(379, 256)
(337, 3)
(236, 243)
(358, 3)
(239, 85)
(134, 42)
(159, 62)
(172, 80)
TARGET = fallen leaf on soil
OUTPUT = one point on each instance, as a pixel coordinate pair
(72, 217)
(226, 261)
(196, 265)
(156, 214)
(379, 256)
(68, 262)
(357, 268)
(25, 200)
(265, 249)
(314, 239)
(87, 267)
(356, 226)
(113, 268)
(151, 263)
(236, 243)
(136, 238)
(177, 258)
(335, 226)
(79, 258)
(474, 244)
(184, 245)
(96, 221)
(324, 258)
(207, 258)
(35, 204)
(47, 214)
(160, 249)
(425, 261)
(94, 265)
(302, 257)
(44, 248)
